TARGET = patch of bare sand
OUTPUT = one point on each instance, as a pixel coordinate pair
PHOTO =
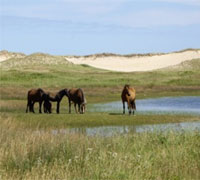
(136, 63)
(5, 55)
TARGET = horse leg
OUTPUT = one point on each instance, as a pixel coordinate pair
(129, 111)
(28, 106)
(79, 107)
(32, 107)
(123, 107)
(44, 107)
(69, 107)
(134, 107)
(40, 107)
(58, 107)
(75, 108)
(129, 107)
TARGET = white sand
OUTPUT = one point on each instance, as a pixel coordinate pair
(136, 63)
(3, 58)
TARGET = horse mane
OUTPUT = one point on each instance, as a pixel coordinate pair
(58, 96)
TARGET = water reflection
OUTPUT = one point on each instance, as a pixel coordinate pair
(169, 105)
(116, 130)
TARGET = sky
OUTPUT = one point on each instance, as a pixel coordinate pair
(82, 27)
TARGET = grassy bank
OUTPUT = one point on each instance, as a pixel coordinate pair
(99, 85)
(33, 154)
(45, 121)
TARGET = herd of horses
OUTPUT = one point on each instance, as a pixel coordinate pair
(75, 96)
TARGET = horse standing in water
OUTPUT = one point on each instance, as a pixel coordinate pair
(77, 97)
(128, 95)
(35, 95)
(58, 97)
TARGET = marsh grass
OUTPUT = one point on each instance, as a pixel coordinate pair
(99, 85)
(34, 154)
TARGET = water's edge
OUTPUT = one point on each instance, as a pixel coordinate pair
(165, 105)
(116, 130)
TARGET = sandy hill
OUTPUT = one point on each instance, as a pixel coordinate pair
(5, 55)
(136, 62)
(108, 61)
(10, 61)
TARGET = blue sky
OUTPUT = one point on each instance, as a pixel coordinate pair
(82, 27)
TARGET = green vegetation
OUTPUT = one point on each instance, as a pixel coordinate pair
(45, 121)
(40, 154)
(99, 85)
(29, 149)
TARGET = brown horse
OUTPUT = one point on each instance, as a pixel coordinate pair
(47, 107)
(128, 95)
(77, 97)
(35, 95)
(58, 97)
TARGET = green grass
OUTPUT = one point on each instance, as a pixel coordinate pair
(99, 85)
(29, 149)
(45, 121)
(36, 154)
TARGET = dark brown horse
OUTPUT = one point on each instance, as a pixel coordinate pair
(47, 107)
(58, 97)
(35, 95)
(128, 95)
(77, 97)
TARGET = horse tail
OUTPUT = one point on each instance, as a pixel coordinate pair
(133, 104)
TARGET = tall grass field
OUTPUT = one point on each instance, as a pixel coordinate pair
(30, 148)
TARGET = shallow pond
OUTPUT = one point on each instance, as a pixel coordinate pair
(164, 105)
(116, 130)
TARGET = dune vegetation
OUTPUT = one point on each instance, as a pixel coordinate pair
(29, 149)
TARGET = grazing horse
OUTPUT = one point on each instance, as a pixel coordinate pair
(58, 97)
(35, 95)
(128, 95)
(77, 97)
(47, 107)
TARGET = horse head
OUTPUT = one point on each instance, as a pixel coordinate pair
(66, 92)
(45, 96)
(83, 106)
(126, 88)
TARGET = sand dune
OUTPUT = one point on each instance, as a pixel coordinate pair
(114, 62)
(5, 55)
(136, 62)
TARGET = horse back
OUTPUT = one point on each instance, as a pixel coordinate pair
(125, 97)
(132, 93)
(76, 95)
(35, 94)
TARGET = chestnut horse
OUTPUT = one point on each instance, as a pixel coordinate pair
(128, 95)
(58, 97)
(35, 95)
(77, 97)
